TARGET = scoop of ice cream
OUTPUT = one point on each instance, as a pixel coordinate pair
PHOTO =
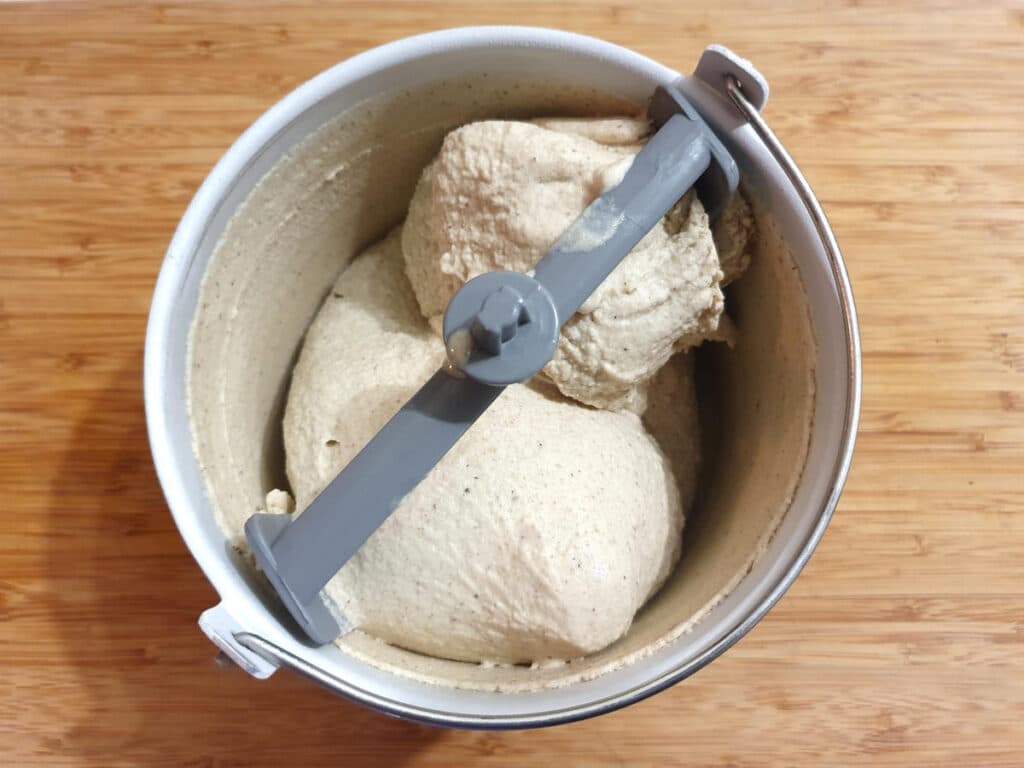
(498, 196)
(733, 233)
(538, 536)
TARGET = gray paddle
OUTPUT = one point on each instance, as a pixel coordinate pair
(500, 328)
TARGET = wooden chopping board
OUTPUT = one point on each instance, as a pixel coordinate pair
(901, 644)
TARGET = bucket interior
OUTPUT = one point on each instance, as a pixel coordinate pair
(339, 177)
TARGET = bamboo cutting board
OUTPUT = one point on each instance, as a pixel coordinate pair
(901, 644)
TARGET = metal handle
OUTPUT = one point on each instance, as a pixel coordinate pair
(839, 274)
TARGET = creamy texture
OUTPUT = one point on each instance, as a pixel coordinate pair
(500, 194)
(483, 561)
(538, 536)
(347, 182)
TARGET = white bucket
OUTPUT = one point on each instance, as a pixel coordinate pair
(772, 533)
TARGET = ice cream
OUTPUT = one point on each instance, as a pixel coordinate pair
(498, 196)
(537, 537)
(550, 524)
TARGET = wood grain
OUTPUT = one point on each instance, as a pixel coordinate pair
(902, 643)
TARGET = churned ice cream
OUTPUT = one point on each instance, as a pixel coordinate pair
(551, 523)
(538, 536)
(498, 196)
